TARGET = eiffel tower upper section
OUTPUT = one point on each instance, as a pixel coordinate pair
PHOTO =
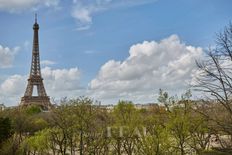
(35, 78)
(35, 64)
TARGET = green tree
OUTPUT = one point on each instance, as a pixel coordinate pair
(126, 127)
(5, 129)
(80, 126)
(156, 141)
(32, 109)
(179, 121)
(37, 144)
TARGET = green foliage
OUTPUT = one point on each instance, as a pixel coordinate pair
(38, 143)
(11, 146)
(81, 126)
(33, 109)
(125, 113)
(157, 138)
(179, 125)
(5, 129)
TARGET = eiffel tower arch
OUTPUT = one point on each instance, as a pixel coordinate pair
(35, 78)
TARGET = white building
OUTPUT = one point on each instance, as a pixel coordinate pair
(2, 107)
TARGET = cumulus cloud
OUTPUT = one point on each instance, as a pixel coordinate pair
(7, 56)
(12, 89)
(61, 79)
(21, 5)
(168, 64)
(83, 11)
(58, 83)
(13, 85)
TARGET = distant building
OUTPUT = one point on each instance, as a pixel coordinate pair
(108, 107)
(2, 107)
(146, 106)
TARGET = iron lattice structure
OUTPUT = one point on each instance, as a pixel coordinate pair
(35, 79)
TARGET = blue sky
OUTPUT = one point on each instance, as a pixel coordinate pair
(107, 49)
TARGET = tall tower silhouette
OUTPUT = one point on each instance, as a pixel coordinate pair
(35, 79)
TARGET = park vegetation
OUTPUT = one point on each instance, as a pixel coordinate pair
(178, 125)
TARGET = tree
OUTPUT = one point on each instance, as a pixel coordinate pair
(157, 138)
(215, 80)
(32, 109)
(127, 123)
(180, 122)
(37, 144)
(79, 126)
(62, 132)
(200, 132)
(5, 129)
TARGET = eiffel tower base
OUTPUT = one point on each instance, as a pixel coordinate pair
(41, 101)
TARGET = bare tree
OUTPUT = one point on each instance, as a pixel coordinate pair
(215, 80)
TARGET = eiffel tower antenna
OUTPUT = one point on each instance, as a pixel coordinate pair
(35, 79)
(35, 17)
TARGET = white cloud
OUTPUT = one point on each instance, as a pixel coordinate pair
(82, 14)
(7, 56)
(83, 11)
(83, 28)
(58, 83)
(61, 79)
(13, 85)
(12, 89)
(47, 62)
(21, 5)
(168, 64)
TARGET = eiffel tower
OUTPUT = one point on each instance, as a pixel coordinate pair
(35, 79)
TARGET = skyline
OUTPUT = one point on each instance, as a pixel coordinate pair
(107, 49)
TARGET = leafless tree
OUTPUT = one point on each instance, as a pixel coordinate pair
(215, 80)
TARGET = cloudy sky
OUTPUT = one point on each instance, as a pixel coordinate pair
(107, 49)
